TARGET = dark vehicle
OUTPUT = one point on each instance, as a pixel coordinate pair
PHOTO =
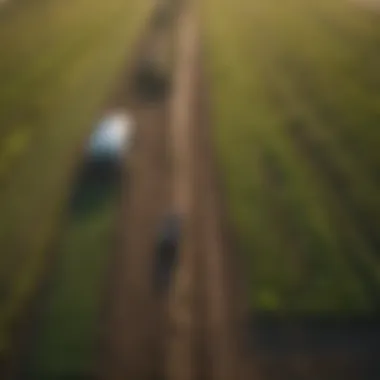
(167, 251)
(105, 159)
(151, 82)
(153, 77)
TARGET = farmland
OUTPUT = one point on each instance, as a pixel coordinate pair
(295, 90)
(69, 323)
(59, 61)
(264, 145)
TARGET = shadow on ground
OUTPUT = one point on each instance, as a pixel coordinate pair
(94, 185)
(299, 347)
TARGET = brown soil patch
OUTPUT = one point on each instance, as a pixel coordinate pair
(130, 348)
(206, 308)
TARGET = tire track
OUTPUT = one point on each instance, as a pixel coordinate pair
(203, 342)
(180, 345)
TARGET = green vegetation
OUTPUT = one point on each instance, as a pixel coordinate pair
(59, 61)
(295, 89)
(69, 323)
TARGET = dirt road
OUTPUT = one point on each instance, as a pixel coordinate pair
(190, 335)
(203, 339)
(130, 349)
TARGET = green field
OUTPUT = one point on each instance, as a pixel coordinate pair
(295, 89)
(70, 323)
(59, 62)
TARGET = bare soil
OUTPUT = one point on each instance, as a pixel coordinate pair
(193, 333)
(130, 347)
(205, 309)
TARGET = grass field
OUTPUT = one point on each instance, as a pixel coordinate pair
(59, 61)
(70, 323)
(295, 89)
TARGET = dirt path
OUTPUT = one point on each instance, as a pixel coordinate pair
(180, 343)
(133, 323)
(203, 339)
(191, 335)
(131, 348)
